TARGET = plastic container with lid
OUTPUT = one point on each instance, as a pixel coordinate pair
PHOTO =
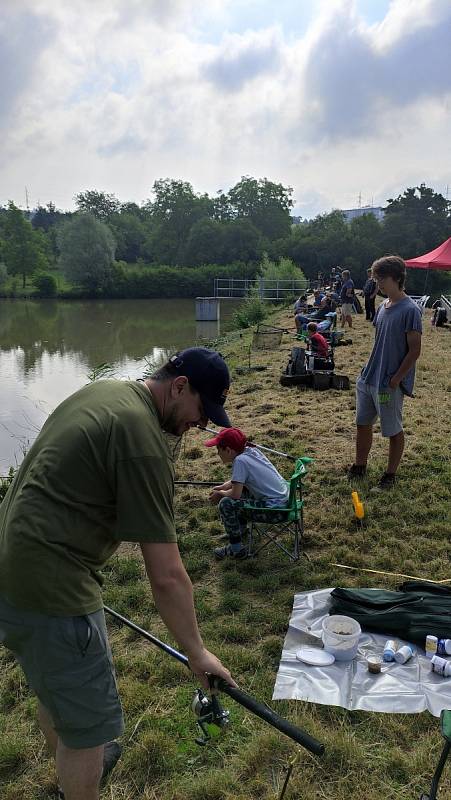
(341, 636)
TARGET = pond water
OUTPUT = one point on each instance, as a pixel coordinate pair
(48, 349)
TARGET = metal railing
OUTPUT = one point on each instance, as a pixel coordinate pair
(266, 289)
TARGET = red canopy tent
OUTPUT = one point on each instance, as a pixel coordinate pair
(440, 258)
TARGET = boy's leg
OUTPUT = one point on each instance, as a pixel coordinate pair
(363, 444)
(229, 511)
(395, 451)
(390, 414)
(366, 415)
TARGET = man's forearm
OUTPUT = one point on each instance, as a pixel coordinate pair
(174, 600)
(406, 365)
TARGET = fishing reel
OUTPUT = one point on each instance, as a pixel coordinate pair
(212, 718)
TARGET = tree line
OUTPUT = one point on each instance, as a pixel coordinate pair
(179, 240)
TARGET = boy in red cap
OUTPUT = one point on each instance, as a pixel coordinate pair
(252, 474)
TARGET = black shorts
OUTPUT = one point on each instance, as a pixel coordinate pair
(67, 662)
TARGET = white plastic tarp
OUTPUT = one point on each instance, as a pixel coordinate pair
(399, 688)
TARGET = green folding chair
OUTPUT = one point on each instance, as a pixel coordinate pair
(445, 725)
(288, 519)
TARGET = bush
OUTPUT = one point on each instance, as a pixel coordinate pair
(45, 284)
(251, 312)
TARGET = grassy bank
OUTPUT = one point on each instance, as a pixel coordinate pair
(244, 608)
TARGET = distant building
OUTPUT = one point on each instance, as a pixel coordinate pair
(353, 213)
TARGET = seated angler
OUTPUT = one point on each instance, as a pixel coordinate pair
(317, 343)
(254, 479)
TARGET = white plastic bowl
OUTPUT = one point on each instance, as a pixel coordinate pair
(341, 636)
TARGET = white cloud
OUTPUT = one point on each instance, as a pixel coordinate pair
(114, 94)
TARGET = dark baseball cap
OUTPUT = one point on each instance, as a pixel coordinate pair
(207, 373)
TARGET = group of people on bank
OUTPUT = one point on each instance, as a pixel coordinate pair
(101, 472)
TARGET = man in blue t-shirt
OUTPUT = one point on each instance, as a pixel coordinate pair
(390, 371)
(347, 298)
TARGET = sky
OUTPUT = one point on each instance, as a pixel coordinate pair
(346, 101)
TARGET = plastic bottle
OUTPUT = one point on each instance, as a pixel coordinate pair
(403, 654)
(441, 666)
(390, 649)
(431, 646)
(444, 647)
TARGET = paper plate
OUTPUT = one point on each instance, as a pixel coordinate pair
(315, 656)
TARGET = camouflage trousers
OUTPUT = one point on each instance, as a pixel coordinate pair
(235, 517)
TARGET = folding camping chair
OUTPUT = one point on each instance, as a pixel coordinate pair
(287, 519)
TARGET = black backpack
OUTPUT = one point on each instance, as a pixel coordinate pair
(296, 364)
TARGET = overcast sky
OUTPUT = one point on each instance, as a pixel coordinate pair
(336, 98)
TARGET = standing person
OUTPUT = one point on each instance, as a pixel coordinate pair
(253, 474)
(347, 298)
(390, 371)
(369, 293)
(100, 472)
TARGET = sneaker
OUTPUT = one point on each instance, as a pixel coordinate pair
(386, 482)
(227, 552)
(356, 471)
(111, 756)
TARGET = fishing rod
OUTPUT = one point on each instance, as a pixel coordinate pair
(253, 444)
(196, 483)
(211, 717)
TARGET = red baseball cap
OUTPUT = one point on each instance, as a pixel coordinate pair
(229, 437)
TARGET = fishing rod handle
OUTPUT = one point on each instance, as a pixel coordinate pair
(267, 714)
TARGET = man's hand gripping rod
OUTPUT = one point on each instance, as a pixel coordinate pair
(244, 699)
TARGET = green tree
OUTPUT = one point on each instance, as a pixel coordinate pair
(129, 233)
(265, 203)
(242, 241)
(23, 249)
(174, 210)
(319, 244)
(417, 221)
(87, 250)
(45, 284)
(100, 204)
(3, 274)
(365, 245)
(205, 243)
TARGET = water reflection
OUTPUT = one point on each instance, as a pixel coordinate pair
(49, 348)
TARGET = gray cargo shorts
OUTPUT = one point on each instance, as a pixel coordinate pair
(67, 662)
(386, 404)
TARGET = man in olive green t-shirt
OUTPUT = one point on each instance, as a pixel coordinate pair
(100, 472)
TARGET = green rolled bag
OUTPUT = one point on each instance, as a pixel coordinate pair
(413, 611)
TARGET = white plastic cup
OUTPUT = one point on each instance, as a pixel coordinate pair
(403, 654)
(341, 636)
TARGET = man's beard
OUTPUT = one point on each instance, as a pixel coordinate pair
(171, 424)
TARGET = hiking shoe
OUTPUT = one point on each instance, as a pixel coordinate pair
(111, 756)
(227, 552)
(386, 482)
(356, 471)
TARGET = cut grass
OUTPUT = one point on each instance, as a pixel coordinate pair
(244, 607)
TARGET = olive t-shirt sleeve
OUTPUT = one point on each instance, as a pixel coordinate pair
(144, 500)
